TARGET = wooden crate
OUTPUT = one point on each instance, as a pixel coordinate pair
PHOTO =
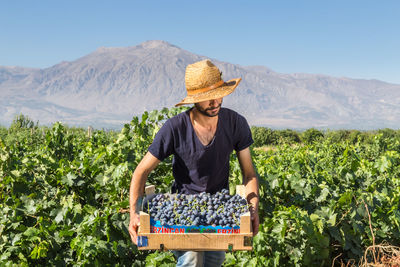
(195, 241)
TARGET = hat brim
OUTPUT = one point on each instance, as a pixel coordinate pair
(219, 92)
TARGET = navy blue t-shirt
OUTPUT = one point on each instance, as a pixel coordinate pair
(196, 167)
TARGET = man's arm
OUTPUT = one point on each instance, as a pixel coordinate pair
(139, 177)
(251, 183)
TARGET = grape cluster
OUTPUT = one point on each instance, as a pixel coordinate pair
(202, 209)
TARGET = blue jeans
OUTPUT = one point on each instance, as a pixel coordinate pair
(199, 258)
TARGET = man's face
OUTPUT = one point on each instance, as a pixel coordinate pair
(209, 108)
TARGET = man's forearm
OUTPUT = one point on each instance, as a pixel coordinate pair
(136, 191)
(252, 191)
(139, 177)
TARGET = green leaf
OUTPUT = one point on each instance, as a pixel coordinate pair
(16, 173)
(346, 198)
(323, 195)
(275, 183)
(69, 179)
(60, 216)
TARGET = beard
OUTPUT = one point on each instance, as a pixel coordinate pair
(208, 111)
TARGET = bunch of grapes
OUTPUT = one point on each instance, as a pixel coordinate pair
(203, 209)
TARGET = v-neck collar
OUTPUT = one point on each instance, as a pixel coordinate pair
(195, 134)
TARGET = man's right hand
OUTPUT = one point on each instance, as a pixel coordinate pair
(133, 226)
(136, 189)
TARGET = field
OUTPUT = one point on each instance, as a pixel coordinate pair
(324, 199)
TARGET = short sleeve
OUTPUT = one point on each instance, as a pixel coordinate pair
(243, 137)
(163, 142)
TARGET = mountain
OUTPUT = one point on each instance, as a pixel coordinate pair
(106, 88)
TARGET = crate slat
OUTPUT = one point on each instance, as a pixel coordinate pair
(241, 191)
(197, 241)
(150, 190)
(144, 226)
(245, 223)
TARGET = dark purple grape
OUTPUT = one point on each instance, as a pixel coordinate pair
(201, 209)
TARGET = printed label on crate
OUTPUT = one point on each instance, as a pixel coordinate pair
(156, 227)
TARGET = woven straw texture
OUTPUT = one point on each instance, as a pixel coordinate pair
(203, 82)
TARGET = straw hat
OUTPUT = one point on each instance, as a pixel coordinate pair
(204, 82)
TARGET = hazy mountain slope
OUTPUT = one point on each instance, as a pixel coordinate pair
(110, 85)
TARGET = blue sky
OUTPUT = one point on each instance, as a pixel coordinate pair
(351, 38)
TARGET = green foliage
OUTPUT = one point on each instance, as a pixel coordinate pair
(21, 121)
(338, 135)
(389, 133)
(288, 136)
(351, 136)
(61, 191)
(263, 136)
(311, 135)
(3, 132)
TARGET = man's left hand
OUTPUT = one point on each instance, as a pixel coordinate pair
(255, 220)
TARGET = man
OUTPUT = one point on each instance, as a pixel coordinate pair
(201, 140)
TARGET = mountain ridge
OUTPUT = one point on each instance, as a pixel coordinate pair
(116, 83)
